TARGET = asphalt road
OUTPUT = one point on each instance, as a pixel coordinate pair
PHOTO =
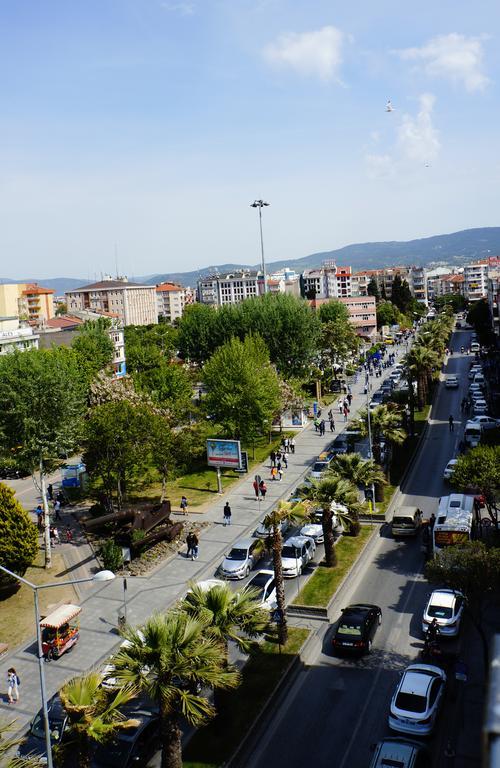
(336, 708)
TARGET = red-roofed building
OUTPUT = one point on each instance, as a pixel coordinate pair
(171, 299)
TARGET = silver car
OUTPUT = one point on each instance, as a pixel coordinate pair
(297, 552)
(417, 700)
(447, 607)
(241, 559)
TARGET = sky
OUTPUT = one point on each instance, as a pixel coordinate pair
(135, 134)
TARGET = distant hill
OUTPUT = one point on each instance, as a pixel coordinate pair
(456, 248)
(59, 284)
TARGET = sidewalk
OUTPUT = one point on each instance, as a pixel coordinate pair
(102, 604)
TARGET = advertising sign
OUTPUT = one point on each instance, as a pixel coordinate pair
(224, 453)
(449, 538)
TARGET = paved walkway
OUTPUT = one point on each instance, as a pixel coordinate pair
(102, 604)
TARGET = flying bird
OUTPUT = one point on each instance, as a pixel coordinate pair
(389, 107)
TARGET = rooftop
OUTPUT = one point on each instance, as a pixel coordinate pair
(104, 285)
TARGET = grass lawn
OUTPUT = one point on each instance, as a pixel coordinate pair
(212, 745)
(17, 614)
(200, 484)
(325, 581)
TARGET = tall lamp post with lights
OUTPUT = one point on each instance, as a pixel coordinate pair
(260, 205)
(100, 576)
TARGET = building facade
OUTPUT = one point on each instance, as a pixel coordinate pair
(29, 302)
(327, 282)
(230, 288)
(493, 291)
(362, 313)
(171, 300)
(14, 338)
(476, 280)
(130, 303)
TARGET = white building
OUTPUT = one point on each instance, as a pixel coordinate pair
(230, 288)
(13, 337)
(327, 282)
(171, 300)
(130, 303)
(476, 280)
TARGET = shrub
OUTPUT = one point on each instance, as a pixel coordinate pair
(111, 555)
(18, 536)
(137, 536)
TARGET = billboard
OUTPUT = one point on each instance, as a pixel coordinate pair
(224, 453)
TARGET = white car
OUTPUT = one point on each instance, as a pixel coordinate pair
(451, 382)
(265, 582)
(261, 532)
(206, 585)
(479, 406)
(486, 422)
(417, 700)
(450, 469)
(475, 369)
(314, 529)
(479, 378)
(297, 552)
(109, 682)
(447, 607)
(241, 559)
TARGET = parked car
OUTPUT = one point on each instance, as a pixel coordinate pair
(297, 552)
(314, 529)
(261, 532)
(472, 373)
(264, 581)
(417, 700)
(451, 382)
(479, 406)
(339, 445)
(407, 521)
(449, 469)
(241, 559)
(447, 607)
(319, 468)
(400, 753)
(486, 422)
(356, 628)
(59, 726)
(479, 378)
(132, 746)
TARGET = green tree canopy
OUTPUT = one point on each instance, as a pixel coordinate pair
(93, 346)
(388, 314)
(243, 387)
(401, 295)
(372, 289)
(168, 385)
(146, 345)
(479, 316)
(18, 535)
(479, 468)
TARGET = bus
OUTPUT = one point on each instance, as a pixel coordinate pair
(454, 521)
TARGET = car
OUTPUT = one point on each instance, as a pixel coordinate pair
(449, 469)
(356, 628)
(417, 700)
(297, 552)
(486, 422)
(479, 378)
(241, 559)
(475, 369)
(132, 746)
(109, 681)
(407, 521)
(378, 397)
(265, 582)
(479, 406)
(339, 445)
(319, 468)
(476, 394)
(475, 387)
(314, 529)
(451, 382)
(206, 585)
(59, 725)
(447, 607)
(261, 532)
(400, 753)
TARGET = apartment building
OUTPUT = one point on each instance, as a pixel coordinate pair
(362, 313)
(418, 284)
(230, 288)
(171, 300)
(130, 303)
(14, 337)
(493, 296)
(28, 302)
(284, 281)
(476, 280)
(327, 282)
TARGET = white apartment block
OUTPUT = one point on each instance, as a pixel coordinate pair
(129, 303)
(476, 280)
(494, 298)
(14, 338)
(284, 281)
(171, 300)
(230, 288)
(327, 282)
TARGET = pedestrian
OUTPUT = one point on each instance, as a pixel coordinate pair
(274, 473)
(69, 535)
(292, 445)
(432, 520)
(283, 443)
(50, 491)
(287, 445)
(450, 422)
(194, 546)
(51, 534)
(278, 457)
(184, 505)
(227, 513)
(349, 399)
(316, 425)
(278, 466)
(273, 458)
(341, 406)
(57, 510)
(285, 461)
(332, 425)
(57, 539)
(190, 543)
(348, 389)
(346, 411)
(322, 427)
(280, 474)
(263, 489)
(256, 488)
(39, 517)
(330, 414)
(13, 683)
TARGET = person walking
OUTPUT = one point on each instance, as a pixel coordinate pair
(274, 473)
(346, 412)
(184, 505)
(273, 458)
(332, 425)
(256, 488)
(451, 423)
(57, 540)
(69, 535)
(349, 399)
(280, 474)
(278, 467)
(13, 683)
(50, 491)
(57, 510)
(227, 514)
(196, 547)
(292, 445)
(190, 543)
(39, 517)
(316, 424)
(263, 489)
(285, 461)
(322, 427)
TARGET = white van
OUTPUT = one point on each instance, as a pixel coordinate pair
(475, 346)
(407, 521)
(472, 434)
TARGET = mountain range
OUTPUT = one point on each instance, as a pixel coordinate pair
(456, 249)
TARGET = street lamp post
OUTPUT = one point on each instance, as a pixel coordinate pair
(260, 204)
(99, 576)
(370, 447)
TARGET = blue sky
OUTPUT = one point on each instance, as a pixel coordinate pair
(145, 128)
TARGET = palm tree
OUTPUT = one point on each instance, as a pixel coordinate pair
(7, 745)
(285, 511)
(330, 492)
(361, 472)
(385, 421)
(420, 362)
(94, 714)
(168, 660)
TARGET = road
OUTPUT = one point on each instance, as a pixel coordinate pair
(335, 708)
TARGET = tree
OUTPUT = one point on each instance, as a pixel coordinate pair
(117, 446)
(479, 469)
(420, 362)
(145, 345)
(168, 660)
(197, 338)
(285, 511)
(62, 309)
(359, 471)
(385, 423)
(94, 715)
(454, 300)
(479, 316)
(42, 400)
(401, 295)
(243, 392)
(18, 536)
(330, 492)
(474, 569)
(168, 385)
(8, 744)
(338, 338)
(372, 289)
(93, 346)
(387, 314)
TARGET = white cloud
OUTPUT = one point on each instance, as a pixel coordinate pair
(182, 8)
(379, 166)
(317, 53)
(418, 139)
(455, 57)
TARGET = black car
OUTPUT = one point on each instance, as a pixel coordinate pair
(339, 445)
(134, 746)
(356, 628)
(58, 723)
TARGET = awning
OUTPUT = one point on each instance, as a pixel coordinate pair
(61, 616)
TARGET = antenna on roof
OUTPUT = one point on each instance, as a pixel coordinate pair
(116, 261)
